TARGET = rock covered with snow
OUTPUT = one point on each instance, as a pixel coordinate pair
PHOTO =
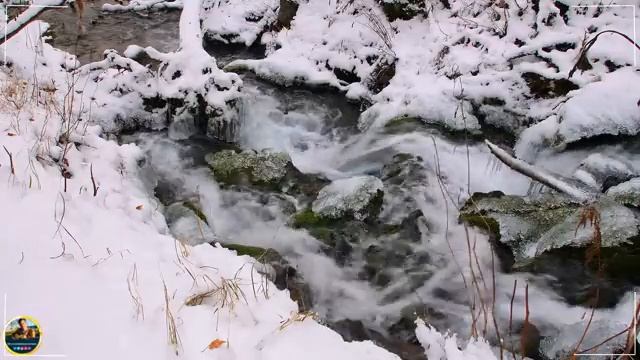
(627, 193)
(531, 227)
(233, 21)
(618, 225)
(188, 89)
(606, 107)
(516, 221)
(358, 196)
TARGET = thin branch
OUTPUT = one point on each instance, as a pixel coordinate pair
(592, 42)
(93, 181)
(546, 178)
(13, 169)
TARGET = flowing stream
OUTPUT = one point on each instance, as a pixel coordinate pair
(374, 285)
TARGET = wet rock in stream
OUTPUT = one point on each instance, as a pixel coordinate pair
(265, 170)
(552, 235)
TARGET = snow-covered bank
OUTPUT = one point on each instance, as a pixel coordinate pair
(491, 62)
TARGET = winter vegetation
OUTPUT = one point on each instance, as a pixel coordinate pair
(313, 179)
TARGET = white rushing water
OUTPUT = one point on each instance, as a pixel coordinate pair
(319, 140)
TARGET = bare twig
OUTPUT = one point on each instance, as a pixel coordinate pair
(591, 42)
(13, 169)
(93, 181)
(513, 295)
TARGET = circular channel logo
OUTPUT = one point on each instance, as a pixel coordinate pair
(22, 335)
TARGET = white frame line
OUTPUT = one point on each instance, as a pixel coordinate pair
(6, 21)
(635, 333)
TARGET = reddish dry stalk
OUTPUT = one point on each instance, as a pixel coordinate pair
(631, 339)
(493, 305)
(525, 326)
(591, 215)
(513, 296)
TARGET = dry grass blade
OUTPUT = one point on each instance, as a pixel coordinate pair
(227, 294)
(299, 317)
(132, 285)
(172, 330)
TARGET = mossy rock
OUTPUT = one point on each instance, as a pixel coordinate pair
(516, 221)
(262, 169)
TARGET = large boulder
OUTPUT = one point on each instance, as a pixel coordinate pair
(531, 227)
(618, 226)
(358, 197)
(265, 169)
(516, 221)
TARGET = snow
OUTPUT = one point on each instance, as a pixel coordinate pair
(445, 347)
(139, 5)
(238, 21)
(344, 196)
(449, 62)
(607, 107)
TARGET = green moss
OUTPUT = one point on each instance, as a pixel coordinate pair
(255, 252)
(307, 219)
(323, 234)
(486, 223)
(193, 207)
(403, 124)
